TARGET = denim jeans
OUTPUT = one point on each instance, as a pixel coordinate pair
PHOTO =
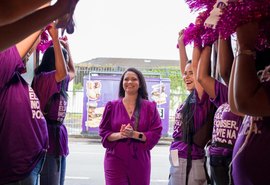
(63, 171)
(53, 172)
(33, 177)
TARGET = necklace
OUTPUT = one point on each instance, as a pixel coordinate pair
(129, 107)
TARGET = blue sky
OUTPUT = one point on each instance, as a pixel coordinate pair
(145, 29)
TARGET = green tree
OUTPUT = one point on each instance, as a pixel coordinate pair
(177, 86)
(77, 87)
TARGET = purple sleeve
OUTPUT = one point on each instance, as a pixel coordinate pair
(221, 92)
(10, 61)
(105, 129)
(153, 134)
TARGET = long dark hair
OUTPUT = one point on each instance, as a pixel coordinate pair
(142, 92)
(188, 118)
(48, 64)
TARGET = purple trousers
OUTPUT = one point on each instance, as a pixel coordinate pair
(130, 170)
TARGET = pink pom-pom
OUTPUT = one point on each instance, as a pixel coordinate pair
(197, 5)
(209, 36)
(198, 34)
(238, 12)
(192, 34)
(44, 41)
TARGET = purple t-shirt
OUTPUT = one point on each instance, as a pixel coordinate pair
(45, 86)
(226, 124)
(200, 115)
(251, 166)
(115, 115)
(23, 130)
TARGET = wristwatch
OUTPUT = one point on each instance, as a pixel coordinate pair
(140, 135)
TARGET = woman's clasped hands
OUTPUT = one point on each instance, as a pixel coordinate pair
(126, 131)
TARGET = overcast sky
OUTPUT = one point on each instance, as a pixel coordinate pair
(145, 29)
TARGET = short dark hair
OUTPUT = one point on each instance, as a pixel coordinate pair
(142, 91)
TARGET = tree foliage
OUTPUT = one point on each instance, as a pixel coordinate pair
(178, 91)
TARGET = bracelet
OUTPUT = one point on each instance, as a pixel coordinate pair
(247, 52)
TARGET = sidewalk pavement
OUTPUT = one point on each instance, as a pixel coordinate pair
(97, 139)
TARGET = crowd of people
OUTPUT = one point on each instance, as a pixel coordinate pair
(34, 141)
(222, 124)
(240, 93)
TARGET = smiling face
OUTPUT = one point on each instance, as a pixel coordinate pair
(131, 83)
(188, 77)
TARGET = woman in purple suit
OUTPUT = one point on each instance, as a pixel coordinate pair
(250, 94)
(23, 130)
(130, 128)
(50, 83)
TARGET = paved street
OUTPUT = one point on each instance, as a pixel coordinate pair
(85, 163)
